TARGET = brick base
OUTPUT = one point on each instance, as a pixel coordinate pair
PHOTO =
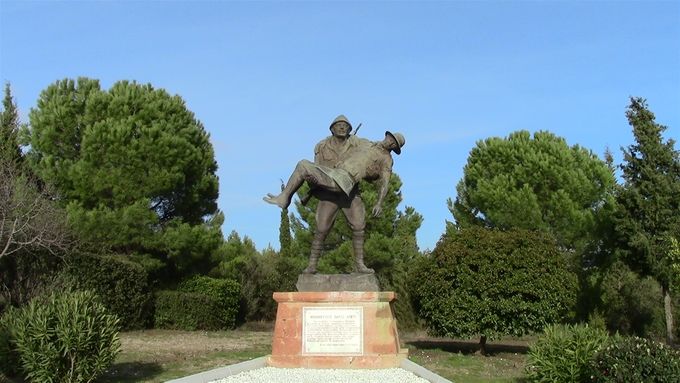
(381, 347)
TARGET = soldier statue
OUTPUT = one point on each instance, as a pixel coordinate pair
(341, 161)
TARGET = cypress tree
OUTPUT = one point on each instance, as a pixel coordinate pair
(649, 201)
(9, 128)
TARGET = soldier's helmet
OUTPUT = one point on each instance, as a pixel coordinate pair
(341, 118)
(401, 141)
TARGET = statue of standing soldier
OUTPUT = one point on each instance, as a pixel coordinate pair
(340, 162)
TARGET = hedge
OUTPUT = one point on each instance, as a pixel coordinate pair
(225, 292)
(121, 284)
(177, 310)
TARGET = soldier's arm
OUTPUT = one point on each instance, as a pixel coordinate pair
(384, 184)
(317, 153)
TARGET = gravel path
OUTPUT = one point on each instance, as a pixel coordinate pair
(308, 375)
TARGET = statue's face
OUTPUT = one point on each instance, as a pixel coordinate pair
(391, 143)
(340, 129)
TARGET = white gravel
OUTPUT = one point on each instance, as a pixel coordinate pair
(309, 375)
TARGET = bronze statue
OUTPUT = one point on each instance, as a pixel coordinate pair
(341, 161)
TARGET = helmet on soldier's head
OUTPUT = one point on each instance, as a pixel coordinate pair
(341, 118)
(399, 138)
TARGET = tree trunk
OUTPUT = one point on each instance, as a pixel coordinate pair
(482, 345)
(669, 314)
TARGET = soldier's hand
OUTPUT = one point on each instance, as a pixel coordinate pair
(377, 209)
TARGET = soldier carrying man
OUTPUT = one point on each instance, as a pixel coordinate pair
(341, 161)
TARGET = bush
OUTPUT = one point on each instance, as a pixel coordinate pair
(9, 358)
(632, 305)
(489, 282)
(262, 275)
(633, 359)
(225, 292)
(177, 310)
(69, 337)
(564, 353)
(121, 284)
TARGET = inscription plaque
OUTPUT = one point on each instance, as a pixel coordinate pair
(333, 330)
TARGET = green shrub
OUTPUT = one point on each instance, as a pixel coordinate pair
(69, 337)
(564, 353)
(490, 282)
(225, 292)
(636, 360)
(260, 276)
(179, 310)
(9, 358)
(632, 305)
(121, 284)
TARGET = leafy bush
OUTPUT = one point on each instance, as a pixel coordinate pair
(564, 353)
(226, 292)
(9, 358)
(121, 284)
(630, 304)
(633, 360)
(69, 337)
(179, 310)
(260, 275)
(489, 282)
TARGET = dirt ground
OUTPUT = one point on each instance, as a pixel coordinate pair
(166, 344)
(160, 355)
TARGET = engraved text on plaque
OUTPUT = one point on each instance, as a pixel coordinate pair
(333, 330)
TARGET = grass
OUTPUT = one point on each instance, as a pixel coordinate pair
(160, 355)
(458, 361)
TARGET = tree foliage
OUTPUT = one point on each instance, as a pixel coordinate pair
(650, 198)
(534, 183)
(9, 128)
(33, 229)
(489, 282)
(128, 144)
(630, 304)
(29, 219)
(647, 218)
(133, 165)
(260, 274)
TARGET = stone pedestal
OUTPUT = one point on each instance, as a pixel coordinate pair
(337, 282)
(341, 329)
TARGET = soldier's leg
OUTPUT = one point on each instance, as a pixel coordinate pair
(304, 171)
(325, 216)
(356, 216)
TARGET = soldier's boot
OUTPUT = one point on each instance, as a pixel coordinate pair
(283, 200)
(358, 245)
(317, 245)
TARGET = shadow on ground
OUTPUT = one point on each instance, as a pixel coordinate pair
(468, 347)
(131, 372)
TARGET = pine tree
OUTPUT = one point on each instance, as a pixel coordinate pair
(134, 167)
(649, 201)
(535, 183)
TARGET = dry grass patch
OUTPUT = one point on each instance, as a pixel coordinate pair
(159, 355)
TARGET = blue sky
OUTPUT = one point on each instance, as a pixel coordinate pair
(266, 78)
